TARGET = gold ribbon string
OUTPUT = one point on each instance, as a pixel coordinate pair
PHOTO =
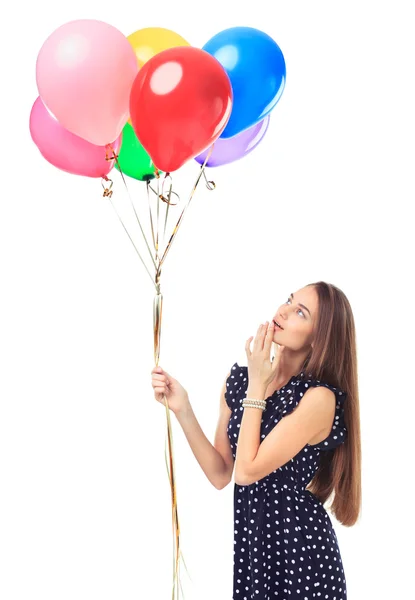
(157, 327)
(167, 175)
(108, 194)
(177, 553)
(107, 186)
(114, 156)
(148, 188)
(164, 199)
(158, 212)
(157, 320)
(185, 208)
(157, 315)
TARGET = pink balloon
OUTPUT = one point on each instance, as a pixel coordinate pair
(84, 72)
(64, 149)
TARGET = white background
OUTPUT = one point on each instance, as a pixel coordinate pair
(84, 494)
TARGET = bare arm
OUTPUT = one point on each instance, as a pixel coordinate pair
(255, 459)
(215, 460)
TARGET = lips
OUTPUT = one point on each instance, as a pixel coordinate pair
(278, 325)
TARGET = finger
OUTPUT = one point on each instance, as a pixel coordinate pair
(277, 357)
(278, 353)
(160, 389)
(258, 343)
(269, 335)
(160, 371)
(162, 378)
(263, 336)
(247, 348)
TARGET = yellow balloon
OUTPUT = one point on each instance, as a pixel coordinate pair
(152, 40)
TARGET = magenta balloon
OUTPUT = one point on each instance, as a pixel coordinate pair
(227, 150)
(64, 149)
(84, 72)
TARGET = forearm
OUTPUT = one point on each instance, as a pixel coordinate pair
(207, 456)
(249, 435)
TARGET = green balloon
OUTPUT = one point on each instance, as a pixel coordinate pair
(133, 160)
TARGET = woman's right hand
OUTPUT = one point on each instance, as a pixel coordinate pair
(165, 385)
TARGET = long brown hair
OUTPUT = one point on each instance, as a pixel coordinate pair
(333, 360)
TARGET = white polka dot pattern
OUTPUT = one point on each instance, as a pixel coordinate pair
(285, 546)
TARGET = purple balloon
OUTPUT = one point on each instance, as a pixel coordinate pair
(227, 150)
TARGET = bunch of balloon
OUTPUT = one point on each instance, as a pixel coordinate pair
(146, 104)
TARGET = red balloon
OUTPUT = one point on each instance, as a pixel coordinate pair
(180, 103)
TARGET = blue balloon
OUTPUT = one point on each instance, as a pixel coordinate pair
(256, 67)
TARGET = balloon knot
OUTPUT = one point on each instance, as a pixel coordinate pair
(107, 189)
(211, 185)
(110, 153)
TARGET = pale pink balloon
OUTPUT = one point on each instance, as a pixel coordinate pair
(64, 149)
(84, 72)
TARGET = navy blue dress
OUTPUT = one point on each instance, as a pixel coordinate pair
(285, 546)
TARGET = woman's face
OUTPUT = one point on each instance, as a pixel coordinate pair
(297, 317)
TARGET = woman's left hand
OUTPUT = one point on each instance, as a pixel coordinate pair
(261, 371)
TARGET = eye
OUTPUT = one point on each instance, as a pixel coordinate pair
(299, 310)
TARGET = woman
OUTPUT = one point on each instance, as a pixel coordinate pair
(286, 424)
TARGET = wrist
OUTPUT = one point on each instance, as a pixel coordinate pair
(184, 410)
(256, 391)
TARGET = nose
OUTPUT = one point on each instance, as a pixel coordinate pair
(285, 310)
(283, 314)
